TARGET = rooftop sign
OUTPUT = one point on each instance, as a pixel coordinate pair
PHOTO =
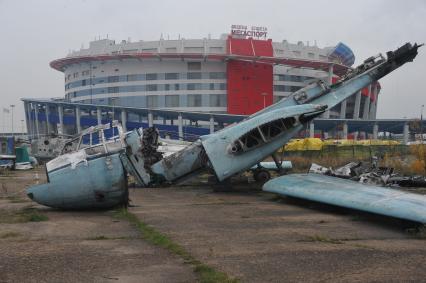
(253, 31)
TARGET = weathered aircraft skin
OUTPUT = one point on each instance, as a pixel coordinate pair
(228, 152)
(89, 177)
(96, 183)
(350, 194)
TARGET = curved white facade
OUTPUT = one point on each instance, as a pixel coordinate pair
(187, 74)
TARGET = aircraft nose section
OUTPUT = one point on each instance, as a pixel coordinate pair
(39, 194)
(30, 195)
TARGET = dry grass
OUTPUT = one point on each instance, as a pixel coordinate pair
(413, 163)
(302, 164)
(22, 216)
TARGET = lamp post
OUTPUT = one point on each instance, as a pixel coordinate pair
(421, 123)
(13, 132)
(22, 126)
(264, 94)
(113, 114)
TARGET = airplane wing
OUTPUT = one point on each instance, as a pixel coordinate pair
(350, 194)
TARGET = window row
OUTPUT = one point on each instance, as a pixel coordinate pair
(292, 78)
(150, 87)
(168, 101)
(286, 88)
(147, 77)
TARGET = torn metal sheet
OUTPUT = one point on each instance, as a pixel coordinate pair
(181, 163)
(318, 169)
(408, 181)
(345, 193)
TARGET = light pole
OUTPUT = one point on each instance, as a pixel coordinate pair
(264, 94)
(421, 123)
(13, 132)
(113, 114)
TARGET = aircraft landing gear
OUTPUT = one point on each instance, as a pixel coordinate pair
(261, 175)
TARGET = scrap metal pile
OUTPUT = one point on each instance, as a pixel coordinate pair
(370, 173)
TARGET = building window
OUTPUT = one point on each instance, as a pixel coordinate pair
(211, 86)
(131, 78)
(83, 82)
(85, 73)
(194, 66)
(151, 101)
(113, 79)
(217, 75)
(75, 75)
(217, 100)
(193, 86)
(151, 87)
(166, 87)
(172, 100)
(194, 100)
(171, 76)
(151, 77)
(113, 89)
(279, 87)
(222, 86)
(193, 76)
(177, 87)
(116, 70)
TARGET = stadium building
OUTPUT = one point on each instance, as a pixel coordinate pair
(229, 75)
(235, 74)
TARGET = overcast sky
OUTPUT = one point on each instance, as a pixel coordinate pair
(33, 33)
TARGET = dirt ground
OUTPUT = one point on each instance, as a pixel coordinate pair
(250, 235)
(90, 246)
(259, 238)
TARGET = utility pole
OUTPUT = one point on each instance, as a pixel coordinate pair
(22, 126)
(13, 132)
(421, 123)
(113, 114)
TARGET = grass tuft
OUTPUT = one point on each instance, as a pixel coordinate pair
(22, 216)
(205, 273)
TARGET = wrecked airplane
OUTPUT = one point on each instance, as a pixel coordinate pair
(98, 176)
(86, 176)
